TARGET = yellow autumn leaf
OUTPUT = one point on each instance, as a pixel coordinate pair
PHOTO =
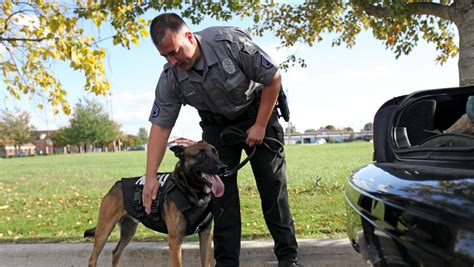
(144, 33)
(54, 25)
(135, 40)
(7, 5)
(60, 233)
(61, 28)
(74, 58)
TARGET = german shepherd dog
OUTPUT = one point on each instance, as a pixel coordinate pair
(194, 182)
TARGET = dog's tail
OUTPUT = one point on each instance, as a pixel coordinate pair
(89, 233)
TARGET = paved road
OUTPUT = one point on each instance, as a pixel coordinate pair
(313, 252)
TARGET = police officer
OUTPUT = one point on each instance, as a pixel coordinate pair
(231, 82)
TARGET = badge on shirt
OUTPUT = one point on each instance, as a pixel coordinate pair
(249, 48)
(228, 65)
(266, 63)
(155, 111)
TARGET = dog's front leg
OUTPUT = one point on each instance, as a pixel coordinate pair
(176, 225)
(205, 246)
(174, 243)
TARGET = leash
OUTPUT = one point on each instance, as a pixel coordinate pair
(234, 135)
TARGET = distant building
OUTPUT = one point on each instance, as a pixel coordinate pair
(323, 137)
(43, 142)
(305, 139)
(8, 151)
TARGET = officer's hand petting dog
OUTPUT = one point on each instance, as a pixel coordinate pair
(150, 191)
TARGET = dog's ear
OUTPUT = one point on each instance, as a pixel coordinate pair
(178, 151)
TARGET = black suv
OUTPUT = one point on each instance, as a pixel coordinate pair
(414, 206)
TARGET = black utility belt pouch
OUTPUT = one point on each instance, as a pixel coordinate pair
(282, 106)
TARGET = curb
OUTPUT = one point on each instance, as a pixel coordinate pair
(312, 252)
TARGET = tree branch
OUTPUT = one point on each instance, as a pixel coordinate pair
(438, 10)
(419, 8)
(7, 19)
(22, 39)
(5, 28)
(18, 69)
(101, 40)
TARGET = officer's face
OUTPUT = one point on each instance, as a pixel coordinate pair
(179, 49)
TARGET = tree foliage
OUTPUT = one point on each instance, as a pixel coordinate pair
(368, 126)
(399, 24)
(91, 125)
(330, 128)
(38, 33)
(63, 137)
(3, 138)
(143, 135)
(130, 140)
(15, 128)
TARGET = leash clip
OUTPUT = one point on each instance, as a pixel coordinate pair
(226, 173)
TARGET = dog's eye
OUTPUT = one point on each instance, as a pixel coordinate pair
(201, 154)
(214, 151)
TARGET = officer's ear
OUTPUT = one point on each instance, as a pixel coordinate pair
(188, 35)
(178, 151)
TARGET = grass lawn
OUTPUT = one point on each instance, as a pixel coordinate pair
(56, 198)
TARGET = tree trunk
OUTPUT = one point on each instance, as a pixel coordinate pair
(465, 24)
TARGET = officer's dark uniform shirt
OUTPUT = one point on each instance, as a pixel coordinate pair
(230, 69)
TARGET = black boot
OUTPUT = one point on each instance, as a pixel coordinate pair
(290, 262)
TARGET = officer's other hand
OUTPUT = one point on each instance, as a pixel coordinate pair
(255, 135)
(150, 190)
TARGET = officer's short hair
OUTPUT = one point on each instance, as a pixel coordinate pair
(163, 22)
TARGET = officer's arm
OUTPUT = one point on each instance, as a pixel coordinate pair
(156, 148)
(268, 98)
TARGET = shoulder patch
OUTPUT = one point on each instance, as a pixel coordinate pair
(266, 63)
(155, 111)
(228, 65)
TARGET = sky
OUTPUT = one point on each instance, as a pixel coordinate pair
(340, 86)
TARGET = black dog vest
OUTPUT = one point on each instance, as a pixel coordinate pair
(197, 217)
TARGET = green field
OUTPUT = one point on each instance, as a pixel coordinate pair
(56, 198)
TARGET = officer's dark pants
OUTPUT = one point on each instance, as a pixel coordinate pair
(269, 171)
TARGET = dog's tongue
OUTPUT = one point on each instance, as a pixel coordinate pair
(217, 185)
